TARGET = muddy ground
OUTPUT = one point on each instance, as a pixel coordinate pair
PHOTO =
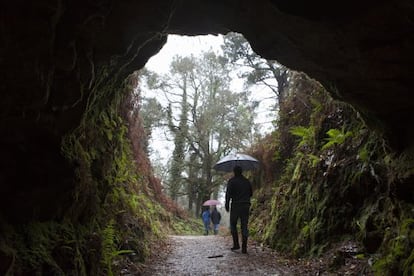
(211, 255)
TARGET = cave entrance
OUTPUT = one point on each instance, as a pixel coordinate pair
(227, 91)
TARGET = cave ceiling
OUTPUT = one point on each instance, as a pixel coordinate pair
(53, 53)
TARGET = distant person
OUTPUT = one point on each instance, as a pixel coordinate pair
(239, 191)
(215, 219)
(205, 216)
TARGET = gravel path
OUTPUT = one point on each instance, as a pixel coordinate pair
(211, 255)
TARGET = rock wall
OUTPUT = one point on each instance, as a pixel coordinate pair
(54, 54)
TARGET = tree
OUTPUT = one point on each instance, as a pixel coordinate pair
(206, 120)
(258, 71)
(180, 134)
(151, 114)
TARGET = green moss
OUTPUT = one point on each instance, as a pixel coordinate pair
(400, 252)
(337, 180)
(187, 226)
(45, 248)
(112, 213)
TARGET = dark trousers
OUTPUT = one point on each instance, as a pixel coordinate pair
(239, 211)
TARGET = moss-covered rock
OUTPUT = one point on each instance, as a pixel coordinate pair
(337, 180)
(112, 215)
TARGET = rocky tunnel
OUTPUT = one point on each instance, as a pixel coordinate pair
(55, 54)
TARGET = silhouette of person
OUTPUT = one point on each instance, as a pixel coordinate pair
(239, 191)
(205, 216)
(215, 219)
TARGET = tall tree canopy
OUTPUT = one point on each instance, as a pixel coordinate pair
(205, 119)
(257, 71)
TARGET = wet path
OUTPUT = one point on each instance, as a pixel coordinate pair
(211, 255)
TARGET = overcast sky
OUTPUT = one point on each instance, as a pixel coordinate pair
(183, 46)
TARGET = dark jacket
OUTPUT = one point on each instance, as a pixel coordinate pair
(239, 190)
(215, 217)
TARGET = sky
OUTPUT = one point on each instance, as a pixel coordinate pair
(185, 46)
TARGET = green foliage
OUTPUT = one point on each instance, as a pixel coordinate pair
(399, 255)
(37, 249)
(313, 160)
(298, 209)
(45, 248)
(336, 137)
(191, 226)
(257, 71)
(113, 212)
(108, 175)
(307, 135)
(338, 179)
(109, 247)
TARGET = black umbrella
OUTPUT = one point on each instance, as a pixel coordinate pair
(245, 161)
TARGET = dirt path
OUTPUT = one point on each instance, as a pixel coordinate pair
(211, 255)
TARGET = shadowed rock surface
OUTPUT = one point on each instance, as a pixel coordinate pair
(55, 54)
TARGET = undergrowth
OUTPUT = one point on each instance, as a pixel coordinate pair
(188, 226)
(327, 178)
(113, 217)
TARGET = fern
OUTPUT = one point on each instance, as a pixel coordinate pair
(336, 137)
(306, 133)
(108, 246)
(313, 160)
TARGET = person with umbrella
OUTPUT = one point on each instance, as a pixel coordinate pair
(205, 216)
(239, 191)
(215, 219)
(214, 215)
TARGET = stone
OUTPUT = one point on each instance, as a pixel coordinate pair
(52, 53)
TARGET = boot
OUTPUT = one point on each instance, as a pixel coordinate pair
(215, 232)
(244, 244)
(236, 244)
